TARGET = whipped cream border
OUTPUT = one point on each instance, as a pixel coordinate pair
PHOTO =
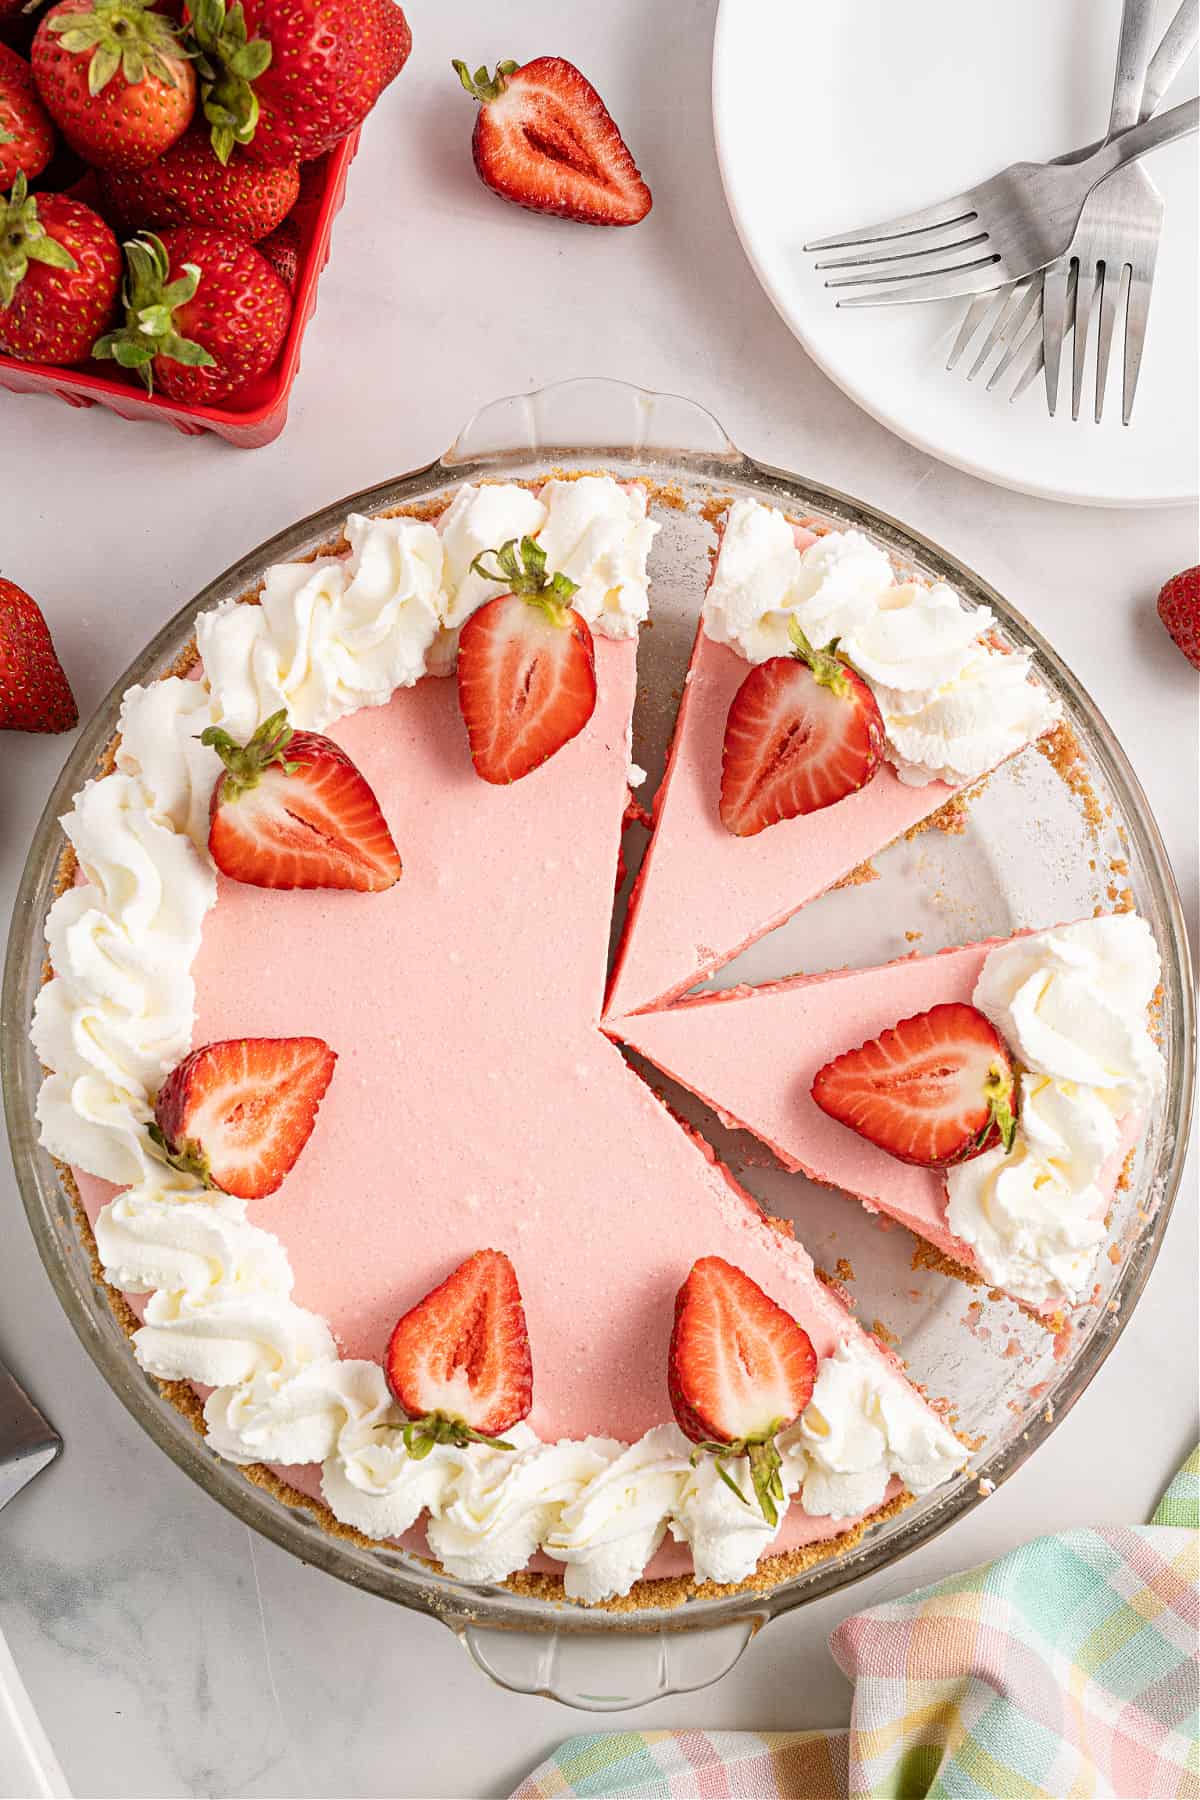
(118, 1014)
(953, 705)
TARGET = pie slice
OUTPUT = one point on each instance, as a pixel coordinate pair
(1071, 1004)
(954, 707)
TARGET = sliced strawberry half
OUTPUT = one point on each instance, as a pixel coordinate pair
(293, 811)
(459, 1362)
(803, 731)
(935, 1089)
(545, 140)
(526, 666)
(238, 1113)
(739, 1371)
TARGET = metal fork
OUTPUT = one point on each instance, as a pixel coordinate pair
(1020, 221)
(1120, 232)
(1016, 313)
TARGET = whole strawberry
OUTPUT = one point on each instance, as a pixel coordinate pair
(60, 272)
(26, 130)
(34, 693)
(282, 251)
(1179, 610)
(205, 314)
(191, 186)
(113, 75)
(289, 78)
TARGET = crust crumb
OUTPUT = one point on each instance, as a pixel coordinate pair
(950, 817)
(715, 507)
(859, 877)
(1062, 751)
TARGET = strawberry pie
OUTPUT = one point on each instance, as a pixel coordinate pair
(365, 1165)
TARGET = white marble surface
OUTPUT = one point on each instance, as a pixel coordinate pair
(168, 1651)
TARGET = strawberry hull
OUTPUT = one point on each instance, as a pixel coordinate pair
(263, 414)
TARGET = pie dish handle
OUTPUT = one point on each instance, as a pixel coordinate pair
(601, 1671)
(592, 412)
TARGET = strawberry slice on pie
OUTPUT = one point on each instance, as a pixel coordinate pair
(459, 1362)
(526, 666)
(803, 732)
(935, 1089)
(739, 1370)
(293, 811)
(239, 1113)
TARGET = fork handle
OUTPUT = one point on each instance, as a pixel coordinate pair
(1133, 57)
(1151, 134)
(1177, 45)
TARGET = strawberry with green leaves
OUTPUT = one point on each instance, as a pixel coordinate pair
(26, 129)
(288, 79)
(60, 272)
(292, 811)
(545, 140)
(35, 695)
(938, 1088)
(205, 315)
(115, 78)
(237, 1114)
(739, 1371)
(804, 731)
(190, 185)
(459, 1362)
(526, 666)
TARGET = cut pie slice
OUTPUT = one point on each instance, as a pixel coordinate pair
(953, 706)
(1071, 1003)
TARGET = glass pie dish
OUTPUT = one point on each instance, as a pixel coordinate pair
(1049, 838)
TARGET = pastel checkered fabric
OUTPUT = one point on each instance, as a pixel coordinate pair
(1067, 1668)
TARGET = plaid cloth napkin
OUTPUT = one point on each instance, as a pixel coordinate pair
(1067, 1668)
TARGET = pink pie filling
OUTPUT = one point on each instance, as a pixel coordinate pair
(476, 1101)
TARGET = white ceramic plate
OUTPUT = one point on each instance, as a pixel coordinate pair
(840, 114)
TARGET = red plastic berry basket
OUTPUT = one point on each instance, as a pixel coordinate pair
(263, 413)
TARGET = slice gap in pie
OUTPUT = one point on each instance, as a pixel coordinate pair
(954, 706)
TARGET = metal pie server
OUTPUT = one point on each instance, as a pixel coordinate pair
(28, 1767)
